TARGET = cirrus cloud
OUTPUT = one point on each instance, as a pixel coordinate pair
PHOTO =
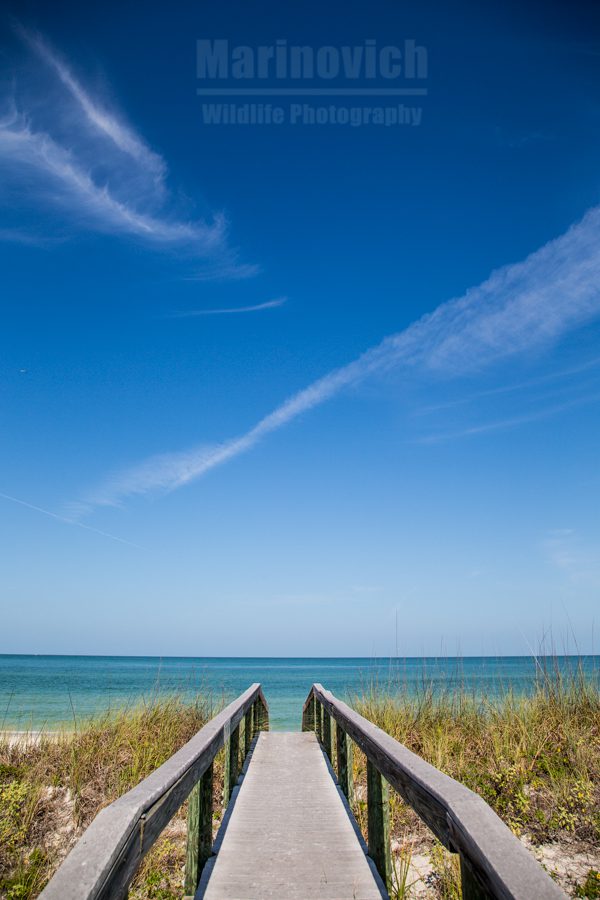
(77, 160)
(519, 308)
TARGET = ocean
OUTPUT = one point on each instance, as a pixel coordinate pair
(50, 692)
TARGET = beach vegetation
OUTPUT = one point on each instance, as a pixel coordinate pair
(535, 758)
(52, 786)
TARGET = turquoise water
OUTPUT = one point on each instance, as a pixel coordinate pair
(49, 691)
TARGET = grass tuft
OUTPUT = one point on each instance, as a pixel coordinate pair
(535, 759)
(52, 787)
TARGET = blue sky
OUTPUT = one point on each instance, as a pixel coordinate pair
(262, 386)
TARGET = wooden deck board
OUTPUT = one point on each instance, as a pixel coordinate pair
(289, 835)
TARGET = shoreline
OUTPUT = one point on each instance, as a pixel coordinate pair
(16, 738)
(535, 762)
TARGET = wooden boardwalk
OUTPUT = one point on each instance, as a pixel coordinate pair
(289, 834)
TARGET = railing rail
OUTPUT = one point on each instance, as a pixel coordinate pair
(104, 861)
(494, 863)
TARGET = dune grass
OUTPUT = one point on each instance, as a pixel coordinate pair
(51, 789)
(535, 759)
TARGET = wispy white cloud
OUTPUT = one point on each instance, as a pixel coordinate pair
(536, 382)
(521, 307)
(121, 134)
(269, 304)
(23, 148)
(511, 422)
(80, 160)
(227, 268)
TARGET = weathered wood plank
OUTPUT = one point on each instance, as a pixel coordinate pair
(327, 735)
(263, 714)
(378, 823)
(290, 838)
(233, 769)
(103, 862)
(261, 721)
(332, 730)
(471, 889)
(199, 830)
(248, 731)
(344, 763)
(318, 720)
(308, 715)
(461, 819)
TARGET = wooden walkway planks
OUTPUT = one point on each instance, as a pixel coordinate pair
(299, 841)
(289, 835)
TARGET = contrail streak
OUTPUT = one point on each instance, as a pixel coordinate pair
(521, 307)
(65, 521)
(228, 310)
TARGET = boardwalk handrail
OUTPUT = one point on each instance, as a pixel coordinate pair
(494, 863)
(105, 859)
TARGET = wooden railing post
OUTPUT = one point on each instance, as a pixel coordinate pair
(248, 731)
(332, 725)
(378, 814)
(232, 755)
(308, 715)
(261, 716)
(257, 717)
(318, 720)
(470, 887)
(493, 861)
(344, 762)
(199, 831)
(104, 861)
(327, 734)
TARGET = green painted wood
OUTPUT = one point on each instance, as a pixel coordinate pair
(471, 887)
(327, 735)
(199, 831)
(261, 716)
(192, 873)
(104, 861)
(332, 724)
(308, 715)
(344, 762)
(461, 820)
(378, 815)
(248, 731)
(226, 771)
(264, 714)
(234, 762)
(256, 712)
